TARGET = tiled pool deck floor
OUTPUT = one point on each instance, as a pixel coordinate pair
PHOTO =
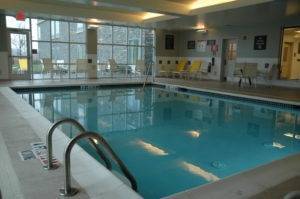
(274, 92)
(21, 125)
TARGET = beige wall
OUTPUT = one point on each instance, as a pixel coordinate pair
(160, 43)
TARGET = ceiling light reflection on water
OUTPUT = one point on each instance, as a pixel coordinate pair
(150, 148)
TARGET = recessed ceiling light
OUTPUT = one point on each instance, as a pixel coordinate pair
(207, 3)
(150, 15)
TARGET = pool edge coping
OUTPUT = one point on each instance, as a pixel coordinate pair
(231, 94)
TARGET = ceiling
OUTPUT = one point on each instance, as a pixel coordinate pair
(277, 11)
(169, 14)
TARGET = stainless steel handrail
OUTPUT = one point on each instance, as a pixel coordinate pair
(81, 130)
(68, 190)
(147, 73)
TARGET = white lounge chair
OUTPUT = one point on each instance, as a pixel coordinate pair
(204, 70)
(250, 72)
(269, 74)
(114, 67)
(47, 67)
(140, 67)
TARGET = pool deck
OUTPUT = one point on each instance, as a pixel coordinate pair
(274, 93)
(21, 125)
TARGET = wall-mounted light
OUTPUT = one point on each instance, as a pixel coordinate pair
(202, 30)
(200, 27)
(92, 26)
(93, 20)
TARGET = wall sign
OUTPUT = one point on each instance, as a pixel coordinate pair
(211, 42)
(260, 42)
(191, 45)
(169, 42)
(201, 45)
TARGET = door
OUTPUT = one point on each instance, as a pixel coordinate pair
(286, 60)
(229, 54)
(19, 54)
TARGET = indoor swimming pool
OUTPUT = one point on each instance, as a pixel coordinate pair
(172, 141)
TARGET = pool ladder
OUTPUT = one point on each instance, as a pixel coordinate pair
(150, 65)
(68, 190)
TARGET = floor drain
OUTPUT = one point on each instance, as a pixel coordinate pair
(218, 165)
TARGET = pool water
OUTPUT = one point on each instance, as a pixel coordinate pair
(174, 141)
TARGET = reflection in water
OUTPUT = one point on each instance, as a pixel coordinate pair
(194, 134)
(273, 145)
(150, 148)
(291, 135)
(235, 135)
(95, 140)
(196, 170)
(278, 145)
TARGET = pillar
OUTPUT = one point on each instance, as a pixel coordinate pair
(91, 51)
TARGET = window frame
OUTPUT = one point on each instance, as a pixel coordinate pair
(50, 41)
(142, 45)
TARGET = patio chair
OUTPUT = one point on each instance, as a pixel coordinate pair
(269, 74)
(23, 63)
(250, 72)
(140, 67)
(114, 67)
(193, 70)
(204, 70)
(81, 67)
(47, 67)
(181, 67)
(238, 72)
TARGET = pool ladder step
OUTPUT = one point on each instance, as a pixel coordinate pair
(68, 190)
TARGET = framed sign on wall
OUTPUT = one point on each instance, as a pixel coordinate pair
(169, 42)
(201, 45)
(260, 42)
(191, 44)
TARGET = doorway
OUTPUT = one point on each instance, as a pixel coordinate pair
(19, 54)
(229, 54)
(290, 54)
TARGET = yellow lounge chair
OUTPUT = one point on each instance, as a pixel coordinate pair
(193, 70)
(181, 67)
(23, 63)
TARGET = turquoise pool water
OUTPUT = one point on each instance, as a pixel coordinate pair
(174, 141)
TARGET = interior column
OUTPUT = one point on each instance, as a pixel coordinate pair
(91, 51)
